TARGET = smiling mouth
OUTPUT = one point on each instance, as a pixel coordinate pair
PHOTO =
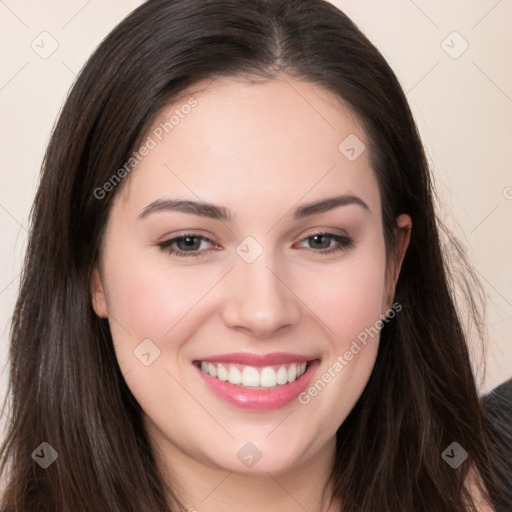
(254, 377)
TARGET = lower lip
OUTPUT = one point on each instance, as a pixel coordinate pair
(259, 399)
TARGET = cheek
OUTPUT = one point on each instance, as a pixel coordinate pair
(150, 301)
(151, 297)
(348, 296)
(349, 300)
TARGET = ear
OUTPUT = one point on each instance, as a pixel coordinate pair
(99, 299)
(403, 237)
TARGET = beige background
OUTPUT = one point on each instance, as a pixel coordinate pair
(462, 101)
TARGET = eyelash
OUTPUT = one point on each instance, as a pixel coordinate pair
(344, 243)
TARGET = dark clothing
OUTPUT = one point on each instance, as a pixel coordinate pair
(498, 408)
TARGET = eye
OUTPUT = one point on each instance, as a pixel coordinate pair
(322, 243)
(193, 244)
(188, 244)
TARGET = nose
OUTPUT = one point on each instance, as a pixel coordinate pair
(260, 301)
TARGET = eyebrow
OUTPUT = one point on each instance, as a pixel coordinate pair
(213, 211)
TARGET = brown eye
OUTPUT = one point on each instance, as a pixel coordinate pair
(322, 243)
(185, 245)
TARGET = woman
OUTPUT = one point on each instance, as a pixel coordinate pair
(234, 293)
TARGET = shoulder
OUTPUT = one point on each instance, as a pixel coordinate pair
(498, 410)
(497, 407)
(498, 402)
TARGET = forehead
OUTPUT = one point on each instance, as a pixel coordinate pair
(236, 142)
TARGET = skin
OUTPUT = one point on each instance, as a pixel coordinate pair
(259, 150)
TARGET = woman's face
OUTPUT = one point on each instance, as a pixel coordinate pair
(213, 330)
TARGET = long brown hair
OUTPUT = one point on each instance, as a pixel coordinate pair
(66, 388)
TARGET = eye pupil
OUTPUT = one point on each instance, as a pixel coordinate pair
(190, 242)
(323, 240)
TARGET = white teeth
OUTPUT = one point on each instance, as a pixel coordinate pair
(268, 378)
(212, 370)
(222, 373)
(253, 377)
(250, 377)
(235, 375)
(282, 376)
(292, 373)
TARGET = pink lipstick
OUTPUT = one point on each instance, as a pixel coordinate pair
(257, 381)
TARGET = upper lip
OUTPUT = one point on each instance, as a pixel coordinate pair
(250, 359)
